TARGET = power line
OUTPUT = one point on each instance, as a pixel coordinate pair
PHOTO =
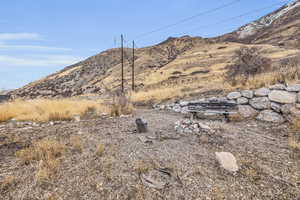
(188, 19)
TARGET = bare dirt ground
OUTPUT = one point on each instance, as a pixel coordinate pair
(164, 167)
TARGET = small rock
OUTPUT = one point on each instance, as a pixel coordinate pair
(278, 87)
(286, 108)
(260, 103)
(242, 100)
(293, 88)
(247, 112)
(76, 118)
(247, 93)
(283, 97)
(234, 95)
(176, 108)
(227, 161)
(270, 116)
(142, 125)
(262, 92)
(183, 103)
(276, 107)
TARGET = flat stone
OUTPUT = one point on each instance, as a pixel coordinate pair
(283, 97)
(183, 103)
(260, 103)
(276, 107)
(278, 87)
(227, 161)
(262, 92)
(293, 88)
(242, 101)
(247, 111)
(270, 116)
(234, 95)
(247, 93)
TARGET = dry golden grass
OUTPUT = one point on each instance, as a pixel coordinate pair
(100, 150)
(42, 150)
(8, 182)
(141, 167)
(47, 152)
(76, 143)
(43, 110)
(294, 143)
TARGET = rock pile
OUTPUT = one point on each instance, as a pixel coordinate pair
(190, 126)
(276, 103)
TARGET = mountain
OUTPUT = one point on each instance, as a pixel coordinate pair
(176, 67)
(281, 27)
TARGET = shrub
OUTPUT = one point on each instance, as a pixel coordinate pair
(248, 64)
(121, 104)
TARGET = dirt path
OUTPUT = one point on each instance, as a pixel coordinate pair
(171, 167)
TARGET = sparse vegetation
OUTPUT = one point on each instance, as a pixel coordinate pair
(8, 182)
(100, 150)
(249, 63)
(76, 143)
(121, 104)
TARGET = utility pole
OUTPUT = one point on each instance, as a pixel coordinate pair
(133, 65)
(122, 61)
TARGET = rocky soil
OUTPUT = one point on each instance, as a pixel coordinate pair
(160, 164)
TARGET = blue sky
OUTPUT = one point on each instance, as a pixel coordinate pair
(39, 37)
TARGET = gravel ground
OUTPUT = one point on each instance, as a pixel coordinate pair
(165, 166)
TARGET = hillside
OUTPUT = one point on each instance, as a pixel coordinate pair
(177, 67)
(281, 27)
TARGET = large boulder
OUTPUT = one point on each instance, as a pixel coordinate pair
(283, 97)
(293, 88)
(270, 116)
(262, 92)
(227, 161)
(234, 95)
(247, 93)
(247, 112)
(260, 103)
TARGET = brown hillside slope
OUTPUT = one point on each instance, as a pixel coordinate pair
(281, 27)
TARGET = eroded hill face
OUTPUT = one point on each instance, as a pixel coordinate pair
(281, 27)
(176, 67)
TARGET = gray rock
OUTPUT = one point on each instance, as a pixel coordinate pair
(247, 93)
(278, 87)
(142, 125)
(270, 116)
(227, 161)
(283, 97)
(242, 100)
(286, 108)
(260, 103)
(183, 103)
(234, 95)
(293, 88)
(176, 108)
(276, 107)
(247, 111)
(262, 92)
(298, 97)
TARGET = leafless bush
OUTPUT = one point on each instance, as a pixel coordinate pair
(249, 63)
(121, 104)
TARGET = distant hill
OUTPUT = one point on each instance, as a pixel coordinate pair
(177, 66)
(281, 27)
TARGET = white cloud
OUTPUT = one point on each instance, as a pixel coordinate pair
(32, 47)
(19, 36)
(38, 61)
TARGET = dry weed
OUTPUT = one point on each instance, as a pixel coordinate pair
(8, 182)
(100, 150)
(141, 167)
(76, 142)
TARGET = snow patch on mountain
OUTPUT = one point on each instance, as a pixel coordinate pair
(252, 28)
